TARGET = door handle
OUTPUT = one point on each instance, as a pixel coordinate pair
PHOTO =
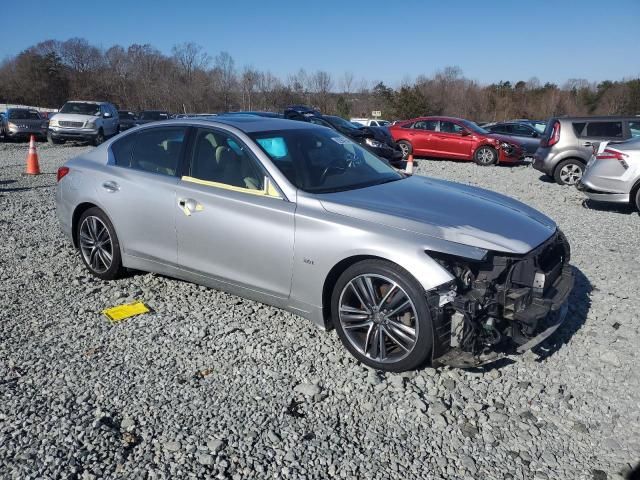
(189, 206)
(111, 186)
(587, 144)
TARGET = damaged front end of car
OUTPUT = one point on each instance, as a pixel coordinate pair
(500, 305)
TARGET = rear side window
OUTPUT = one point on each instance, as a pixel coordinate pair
(426, 125)
(578, 128)
(155, 150)
(634, 129)
(604, 129)
(123, 149)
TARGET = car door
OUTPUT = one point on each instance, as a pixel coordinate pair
(527, 137)
(452, 140)
(233, 225)
(422, 137)
(137, 190)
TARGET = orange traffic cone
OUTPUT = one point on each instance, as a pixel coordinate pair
(409, 168)
(33, 168)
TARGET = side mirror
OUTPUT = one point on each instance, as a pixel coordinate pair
(107, 115)
(535, 134)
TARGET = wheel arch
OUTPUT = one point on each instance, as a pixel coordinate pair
(77, 213)
(633, 192)
(331, 279)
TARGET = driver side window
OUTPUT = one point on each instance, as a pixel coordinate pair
(219, 159)
(450, 127)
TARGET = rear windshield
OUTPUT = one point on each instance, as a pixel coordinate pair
(23, 115)
(81, 108)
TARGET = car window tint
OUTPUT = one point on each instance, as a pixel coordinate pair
(450, 127)
(578, 128)
(219, 158)
(634, 128)
(123, 149)
(521, 130)
(426, 125)
(157, 150)
(604, 129)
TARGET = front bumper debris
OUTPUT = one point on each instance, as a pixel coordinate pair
(509, 305)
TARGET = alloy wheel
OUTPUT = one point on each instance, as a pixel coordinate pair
(571, 173)
(405, 149)
(378, 318)
(96, 244)
(485, 156)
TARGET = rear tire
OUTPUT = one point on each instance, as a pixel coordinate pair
(637, 200)
(568, 172)
(381, 316)
(406, 147)
(485, 156)
(98, 244)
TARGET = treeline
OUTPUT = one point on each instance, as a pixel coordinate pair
(190, 80)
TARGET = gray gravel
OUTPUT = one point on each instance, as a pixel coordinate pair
(214, 386)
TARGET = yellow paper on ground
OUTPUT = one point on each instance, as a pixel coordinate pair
(122, 312)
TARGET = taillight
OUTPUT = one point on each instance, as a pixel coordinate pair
(554, 137)
(62, 171)
(609, 154)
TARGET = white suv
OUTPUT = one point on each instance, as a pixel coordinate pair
(84, 121)
(367, 122)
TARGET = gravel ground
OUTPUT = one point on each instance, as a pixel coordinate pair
(214, 386)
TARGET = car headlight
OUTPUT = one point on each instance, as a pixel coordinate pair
(90, 124)
(12, 126)
(53, 122)
(373, 143)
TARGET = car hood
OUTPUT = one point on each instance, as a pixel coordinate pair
(74, 117)
(448, 211)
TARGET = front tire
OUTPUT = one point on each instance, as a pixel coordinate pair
(98, 244)
(52, 140)
(381, 316)
(406, 147)
(637, 200)
(485, 156)
(99, 138)
(568, 172)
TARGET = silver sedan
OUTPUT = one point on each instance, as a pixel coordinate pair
(408, 270)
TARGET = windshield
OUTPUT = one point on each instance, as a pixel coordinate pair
(154, 115)
(474, 127)
(339, 122)
(322, 161)
(23, 115)
(81, 108)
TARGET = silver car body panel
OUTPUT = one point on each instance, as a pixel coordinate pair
(609, 179)
(282, 250)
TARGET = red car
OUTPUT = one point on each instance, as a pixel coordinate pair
(456, 138)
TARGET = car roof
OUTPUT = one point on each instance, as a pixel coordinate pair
(600, 118)
(246, 124)
(85, 101)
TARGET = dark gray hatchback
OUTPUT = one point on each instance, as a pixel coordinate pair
(568, 143)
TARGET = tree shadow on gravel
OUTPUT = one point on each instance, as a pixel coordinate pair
(23, 189)
(579, 306)
(621, 208)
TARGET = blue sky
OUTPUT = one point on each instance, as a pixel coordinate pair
(376, 40)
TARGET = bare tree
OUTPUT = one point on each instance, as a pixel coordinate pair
(346, 82)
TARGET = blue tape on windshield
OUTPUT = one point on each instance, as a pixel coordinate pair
(275, 147)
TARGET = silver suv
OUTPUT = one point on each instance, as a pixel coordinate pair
(568, 143)
(84, 121)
